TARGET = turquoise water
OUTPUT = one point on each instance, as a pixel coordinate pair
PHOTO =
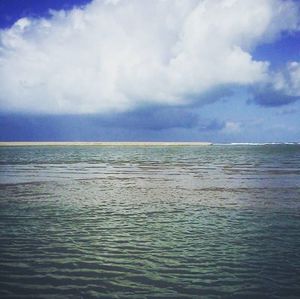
(150, 222)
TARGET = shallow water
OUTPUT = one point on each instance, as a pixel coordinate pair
(150, 222)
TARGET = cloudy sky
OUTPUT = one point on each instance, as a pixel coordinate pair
(169, 70)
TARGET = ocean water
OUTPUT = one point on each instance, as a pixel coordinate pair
(150, 222)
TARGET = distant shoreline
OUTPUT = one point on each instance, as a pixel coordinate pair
(125, 143)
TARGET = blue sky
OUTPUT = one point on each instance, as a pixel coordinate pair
(218, 70)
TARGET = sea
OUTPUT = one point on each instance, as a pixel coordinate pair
(220, 221)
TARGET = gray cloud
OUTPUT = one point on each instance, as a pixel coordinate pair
(268, 97)
(282, 88)
(151, 118)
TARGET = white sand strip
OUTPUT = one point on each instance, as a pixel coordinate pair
(50, 143)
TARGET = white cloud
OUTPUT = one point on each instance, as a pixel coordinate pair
(287, 80)
(114, 55)
(232, 127)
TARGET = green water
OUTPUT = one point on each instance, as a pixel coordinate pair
(150, 222)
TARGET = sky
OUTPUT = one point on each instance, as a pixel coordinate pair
(137, 70)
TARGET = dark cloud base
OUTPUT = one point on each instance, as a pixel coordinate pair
(269, 97)
(143, 124)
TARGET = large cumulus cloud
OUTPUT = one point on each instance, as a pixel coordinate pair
(118, 55)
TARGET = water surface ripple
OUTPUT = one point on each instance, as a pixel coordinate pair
(150, 222)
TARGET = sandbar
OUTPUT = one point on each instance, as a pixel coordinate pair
(99, 143)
